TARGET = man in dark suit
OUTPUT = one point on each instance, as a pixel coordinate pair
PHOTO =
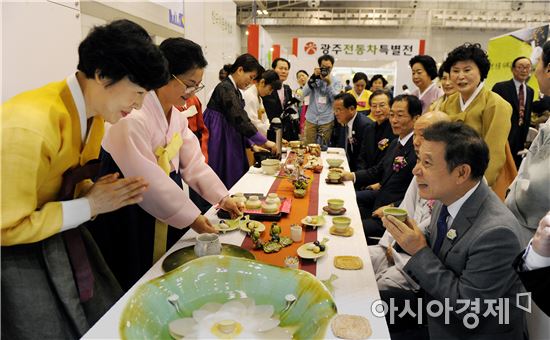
(388, 180)
(351, 129)
(466, 252)
(516, 92)
(379, 135)
(274, 103)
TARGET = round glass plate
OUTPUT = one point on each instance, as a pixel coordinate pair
(232, 225)
(260, 226)
(320, 221)
(305, 253)
(184, 255)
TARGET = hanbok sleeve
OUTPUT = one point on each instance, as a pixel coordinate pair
(237, 116)
(251, 106)
(495, 129)
(26, 157)
(129, 143)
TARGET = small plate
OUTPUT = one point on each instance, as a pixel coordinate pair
(320, 221)
(347, 233)
(334, 212)
(348, 262)
(260, 228)
(304, 253)
(233, 225)
(332, 181)
(184, 255)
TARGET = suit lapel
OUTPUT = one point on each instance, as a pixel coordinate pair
(405, 151)
(465, 218)
(513, 93)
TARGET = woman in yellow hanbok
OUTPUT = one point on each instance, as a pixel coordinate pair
(55, 283)
(483, 110)
(361, 94)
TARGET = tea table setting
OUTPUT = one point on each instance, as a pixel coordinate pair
(321, 234)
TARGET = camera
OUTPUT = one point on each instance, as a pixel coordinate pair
(325, 71)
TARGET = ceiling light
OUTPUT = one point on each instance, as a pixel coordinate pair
(265, 12)
(246, 33)
(259, 11)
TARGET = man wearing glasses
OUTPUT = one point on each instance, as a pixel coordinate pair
(155, 143)
(520, 95)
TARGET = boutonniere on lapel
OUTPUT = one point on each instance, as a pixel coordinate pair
(383, 143)
(451, 234)
(399, 163)
(430, 204)
(352, 139)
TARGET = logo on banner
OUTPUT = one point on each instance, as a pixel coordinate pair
(176, 18)
(310, 47)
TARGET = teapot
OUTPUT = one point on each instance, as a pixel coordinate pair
(208, 244)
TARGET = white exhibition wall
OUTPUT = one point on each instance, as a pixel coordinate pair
(39, 44)
(45, 52)
(212, 24)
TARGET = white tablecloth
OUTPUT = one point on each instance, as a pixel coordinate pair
(354, 290)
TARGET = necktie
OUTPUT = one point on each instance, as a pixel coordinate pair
(521, 99)
(398, 148)
(346, 137)
(441, 228)
(281, 93)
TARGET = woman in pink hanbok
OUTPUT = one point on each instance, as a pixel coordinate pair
(157, 144)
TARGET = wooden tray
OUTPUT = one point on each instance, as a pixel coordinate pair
(257, 214)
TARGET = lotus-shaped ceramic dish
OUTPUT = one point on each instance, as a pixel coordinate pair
(220, 279)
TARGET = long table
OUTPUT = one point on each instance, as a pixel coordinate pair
(354, 291)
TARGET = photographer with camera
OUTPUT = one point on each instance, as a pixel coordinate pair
(322, 87)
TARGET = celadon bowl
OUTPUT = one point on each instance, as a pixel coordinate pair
(219, 279)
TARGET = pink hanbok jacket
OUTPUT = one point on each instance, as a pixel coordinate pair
(132, 143)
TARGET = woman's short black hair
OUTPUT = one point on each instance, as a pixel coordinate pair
(247, 61)
(226, 68)
(427, 62)
(463, 145)
(466, 52)
(360, 76)
(271, 77)
(302, 71)
(414, 105)
(121, 49)
(259, 71)
(379, 76)
(183, 55)
(325, 57)
(347, 99)
(274, 63)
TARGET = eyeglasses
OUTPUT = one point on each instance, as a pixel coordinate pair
(189, 89)
(523, 68)
(376, 106)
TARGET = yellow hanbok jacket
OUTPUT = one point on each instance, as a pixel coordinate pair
(362, 101)
(41, 139)
(436, 106)
(489, 115)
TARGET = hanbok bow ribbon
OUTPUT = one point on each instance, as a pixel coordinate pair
(164, 155)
